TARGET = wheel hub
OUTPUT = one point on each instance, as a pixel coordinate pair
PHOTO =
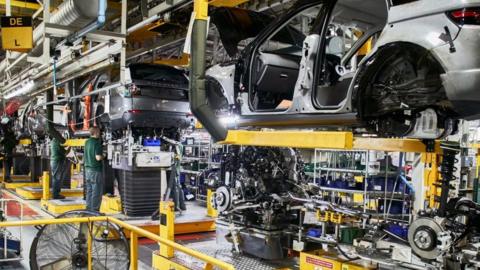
(422, 237)
(79, 259)
(222, 199)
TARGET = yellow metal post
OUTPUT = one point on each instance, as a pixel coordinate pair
(72, 172)
(211, 212)
(200, 7)
(89, 246)
(133, 251)
(46, 186)
(477, 163)
(167, 226)
(431, 177)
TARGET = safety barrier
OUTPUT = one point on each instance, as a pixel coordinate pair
(135, 232)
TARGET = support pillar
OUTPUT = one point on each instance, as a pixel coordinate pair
(167, 226)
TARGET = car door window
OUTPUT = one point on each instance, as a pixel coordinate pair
(350, 36)
(276, 63)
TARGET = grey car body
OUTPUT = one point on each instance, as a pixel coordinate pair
(156, 98)
(419, 77)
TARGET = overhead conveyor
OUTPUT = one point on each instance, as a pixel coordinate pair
(74, 21)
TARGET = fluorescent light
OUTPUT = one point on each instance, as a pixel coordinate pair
(21, 90)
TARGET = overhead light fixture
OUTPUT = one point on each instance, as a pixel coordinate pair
(21, 90)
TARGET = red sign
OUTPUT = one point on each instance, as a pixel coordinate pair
(319, 262)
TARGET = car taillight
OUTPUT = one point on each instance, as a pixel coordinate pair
(134, 111)
(466, 16)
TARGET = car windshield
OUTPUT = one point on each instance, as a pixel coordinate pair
(237, 27)
(158, 74)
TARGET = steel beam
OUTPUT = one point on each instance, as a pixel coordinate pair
(324, 140)
(297, 139)
(22, 4)
(167, 41)
(61, 31)
(167, 6)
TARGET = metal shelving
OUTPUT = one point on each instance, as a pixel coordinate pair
(353, 165)
(203, 155)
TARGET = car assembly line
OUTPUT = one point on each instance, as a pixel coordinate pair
(240, 134)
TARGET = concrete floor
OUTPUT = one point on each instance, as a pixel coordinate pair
(215, 247)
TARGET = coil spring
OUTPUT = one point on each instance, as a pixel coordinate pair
(450, 150)
(448, 165)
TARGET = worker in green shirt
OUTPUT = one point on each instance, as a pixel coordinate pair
(59, 167)
(93, 157)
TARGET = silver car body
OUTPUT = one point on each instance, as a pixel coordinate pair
(422, 23)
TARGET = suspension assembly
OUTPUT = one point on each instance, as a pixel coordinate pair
(447, 170)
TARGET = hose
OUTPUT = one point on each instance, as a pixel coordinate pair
(198, 94)
(346, 255)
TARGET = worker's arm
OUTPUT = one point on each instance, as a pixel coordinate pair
(99, 152)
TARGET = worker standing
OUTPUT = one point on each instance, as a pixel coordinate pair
(93, 157)
(9, 143)
(59, 166)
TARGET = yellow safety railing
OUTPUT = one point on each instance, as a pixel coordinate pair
(135, 232)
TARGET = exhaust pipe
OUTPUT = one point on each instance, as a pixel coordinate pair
(198, 95)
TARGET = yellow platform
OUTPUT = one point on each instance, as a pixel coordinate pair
(159, 263)
(111, 205)
(16, 178)
(35, 193)
(165, 257)
(57, 207)
(22, 184)
(321, 259)
(181, 227)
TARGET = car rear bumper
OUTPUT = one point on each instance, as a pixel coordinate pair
(151, 119)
